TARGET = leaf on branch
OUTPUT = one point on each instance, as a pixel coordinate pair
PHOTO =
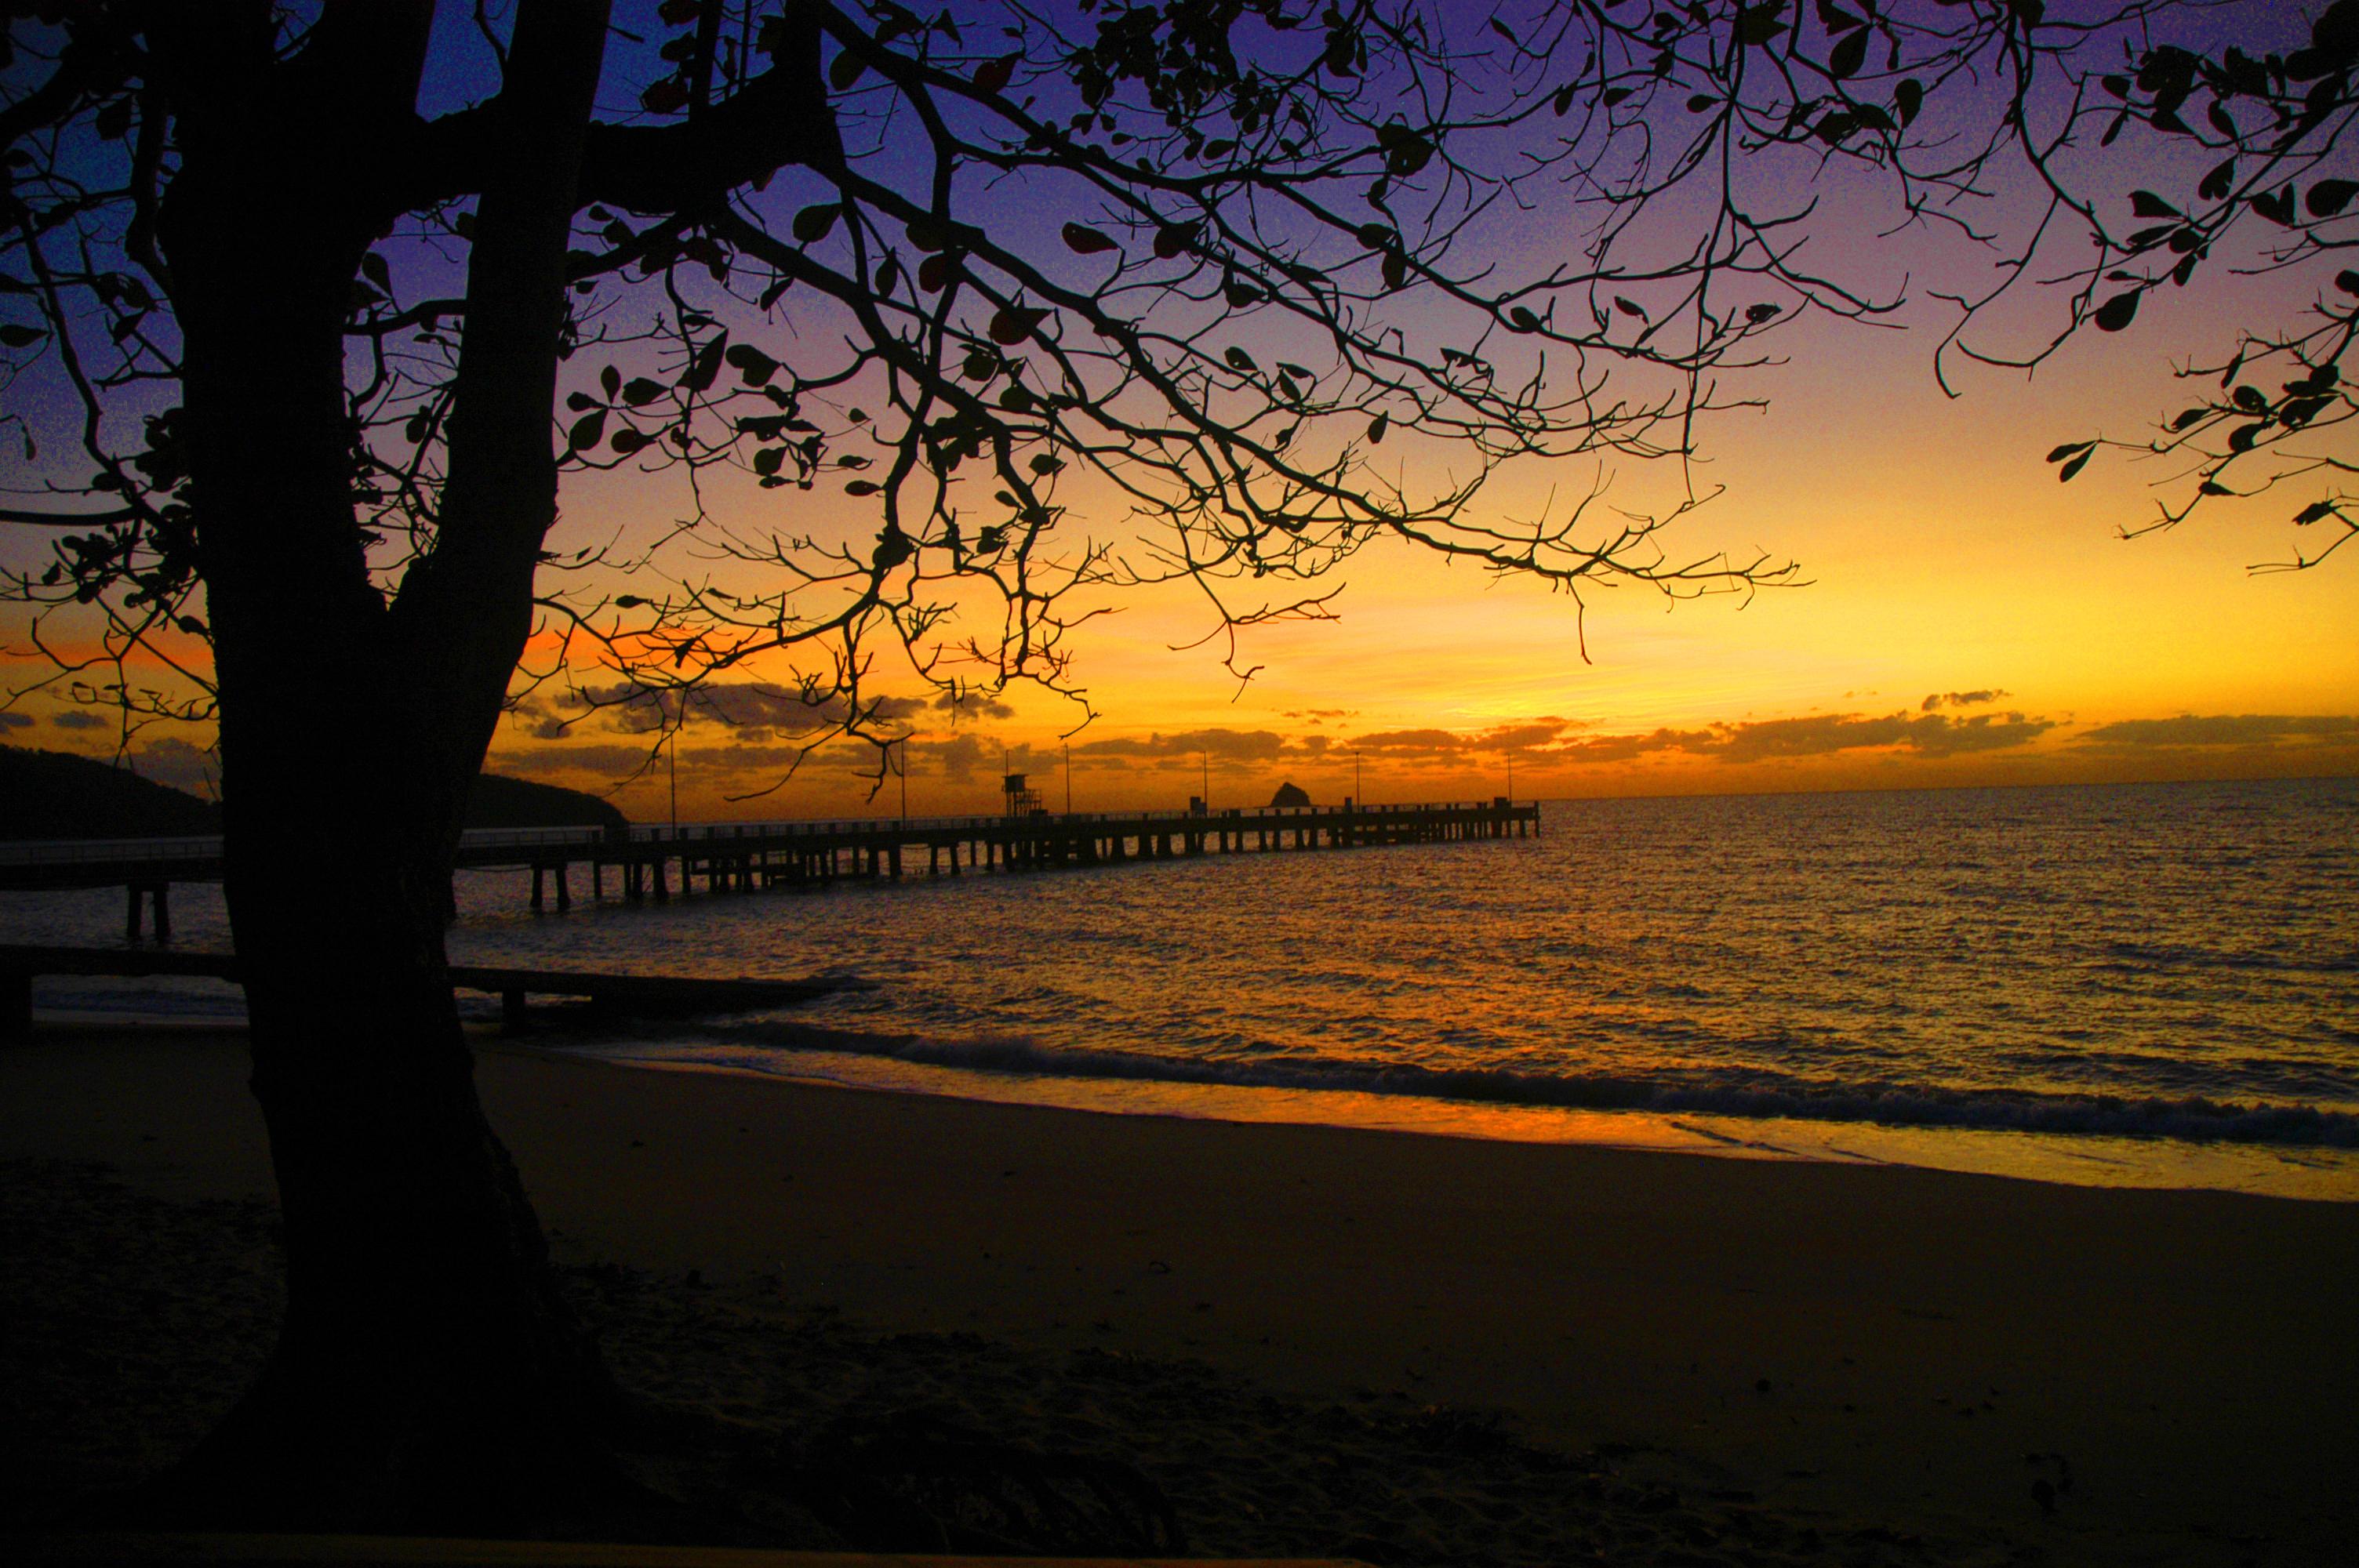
(752, 363)
(1522, 319)
(2117, 312)
(1084, 241)
(1405, 152)
(2217, 183)
(1562, 102)
(2069, 449)
(1907, 99)
(705, 368)
(1012, 325)
(845, 70)
(812, 223)
(2348, 282)
(2315, 511)
(1377, 429)
(16, 336)
(861, 487)
(2064, 475)
(994, 76)
(934, 272)
(2328, 197)
(2146, 204)
(1240, 360)
(627, 441)
(2188, 416)
(664, 97)
(1849, 55)
(1758, 314)
(1396, 269)
(1759, 24)
(587, 430)
(1629, 306)
(1174, 239)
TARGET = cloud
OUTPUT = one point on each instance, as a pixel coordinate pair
(1522, 735)
(610, 760)
(1415, 742)
(1222, 745)
(961, 757)
(2225, 729)
(12, 720)
(1818, 735)
(1531, 732)
(180, 764)
(1600, 749)
(971, 705)
(1814, 735)
(1958, 700)
(758, 710)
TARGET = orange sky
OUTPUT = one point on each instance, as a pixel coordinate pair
(1944, 562)
(1943, 557)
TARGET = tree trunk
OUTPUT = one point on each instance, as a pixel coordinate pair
(429, 1375)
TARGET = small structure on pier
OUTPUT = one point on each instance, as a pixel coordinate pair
(1021, 802)
(1290, 793)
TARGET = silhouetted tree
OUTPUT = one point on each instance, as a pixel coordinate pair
(331, 310)
(2232, 154)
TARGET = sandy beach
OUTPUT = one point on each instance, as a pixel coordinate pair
(1877, 1361)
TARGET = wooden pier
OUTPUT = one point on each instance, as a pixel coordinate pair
(654, 863)
(641, 996)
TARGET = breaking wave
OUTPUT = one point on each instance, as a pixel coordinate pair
(2192, 1118)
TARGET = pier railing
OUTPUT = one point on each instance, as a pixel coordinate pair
(747, 855)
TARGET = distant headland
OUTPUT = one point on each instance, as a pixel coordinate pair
(54, 794)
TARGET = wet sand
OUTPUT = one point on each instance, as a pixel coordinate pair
(1996, 1366)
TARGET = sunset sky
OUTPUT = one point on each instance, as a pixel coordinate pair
(1965, 619)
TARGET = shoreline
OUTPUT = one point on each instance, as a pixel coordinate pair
(1847, 1341)
(2324, 1172)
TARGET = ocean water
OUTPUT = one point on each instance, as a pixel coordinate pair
(2135, 985)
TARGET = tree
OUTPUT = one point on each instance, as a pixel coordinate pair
(2232, 128)
(333, 313)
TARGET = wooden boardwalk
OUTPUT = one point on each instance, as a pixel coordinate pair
(641, 995)
(649, 862)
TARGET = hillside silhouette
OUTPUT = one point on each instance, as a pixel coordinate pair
(53, 794)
